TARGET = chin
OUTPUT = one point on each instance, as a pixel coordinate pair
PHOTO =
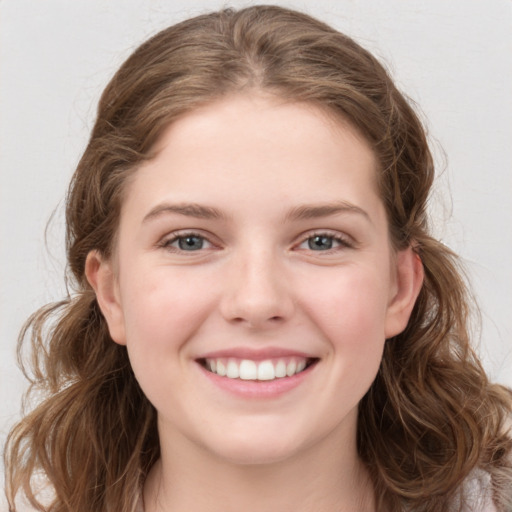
(255, 455)
(247, 447)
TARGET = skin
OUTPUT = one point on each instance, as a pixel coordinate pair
(257, 279)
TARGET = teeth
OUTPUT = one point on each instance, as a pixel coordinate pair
(280, 369)
(291, 367)
(266, 371)
(247, 369)
(221, 369)
(232, 371)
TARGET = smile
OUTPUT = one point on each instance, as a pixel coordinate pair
(264, 370)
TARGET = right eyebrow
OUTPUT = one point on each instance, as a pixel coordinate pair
(187, 209)
(315, 211)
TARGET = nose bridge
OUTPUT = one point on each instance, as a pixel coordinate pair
(256, 292)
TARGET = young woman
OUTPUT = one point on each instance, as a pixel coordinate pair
(261, 319)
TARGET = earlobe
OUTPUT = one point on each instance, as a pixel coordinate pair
(409, 280)
(101, 277)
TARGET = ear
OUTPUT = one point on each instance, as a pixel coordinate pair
(101, 277)
(408, 282)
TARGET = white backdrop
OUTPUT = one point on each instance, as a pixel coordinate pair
(452, 58)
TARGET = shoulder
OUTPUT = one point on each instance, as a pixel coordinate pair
(477, 492)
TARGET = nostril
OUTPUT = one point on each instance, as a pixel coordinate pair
(257, 322)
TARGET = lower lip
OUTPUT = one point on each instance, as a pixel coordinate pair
(257, 389)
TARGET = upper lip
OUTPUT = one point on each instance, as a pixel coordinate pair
(259, 354)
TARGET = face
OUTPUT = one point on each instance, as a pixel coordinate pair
(253, 280)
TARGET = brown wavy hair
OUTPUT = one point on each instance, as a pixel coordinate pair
(430, 420)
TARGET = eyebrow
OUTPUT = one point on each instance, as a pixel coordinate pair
(302, 212)
(315, 211)
(195, 210)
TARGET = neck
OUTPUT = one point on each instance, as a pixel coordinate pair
(326, 477)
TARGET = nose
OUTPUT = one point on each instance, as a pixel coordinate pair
(257, 293)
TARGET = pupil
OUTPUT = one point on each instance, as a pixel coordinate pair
(320, 242)
(190, 243)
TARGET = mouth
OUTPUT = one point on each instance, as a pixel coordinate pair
(261, 370)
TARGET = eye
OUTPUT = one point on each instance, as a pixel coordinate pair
(324, 242)
(188, 242)
(320, 242)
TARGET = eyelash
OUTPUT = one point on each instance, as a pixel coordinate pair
(176, 237)
(343, 242)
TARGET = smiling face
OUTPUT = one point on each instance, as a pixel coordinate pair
(253, 281)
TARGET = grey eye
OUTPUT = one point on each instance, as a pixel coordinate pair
(320, 242)
(190, 242)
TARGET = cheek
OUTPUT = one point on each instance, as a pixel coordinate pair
(352, 302)
(162, 310)
(351, 314)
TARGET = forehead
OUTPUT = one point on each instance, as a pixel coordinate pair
(260, 118)
(258, 146)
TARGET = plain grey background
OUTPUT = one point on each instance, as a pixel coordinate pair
(452, 58)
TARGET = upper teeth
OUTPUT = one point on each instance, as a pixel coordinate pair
(246, 369)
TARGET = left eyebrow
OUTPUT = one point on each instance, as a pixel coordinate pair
(315, 211)
(195, 210)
